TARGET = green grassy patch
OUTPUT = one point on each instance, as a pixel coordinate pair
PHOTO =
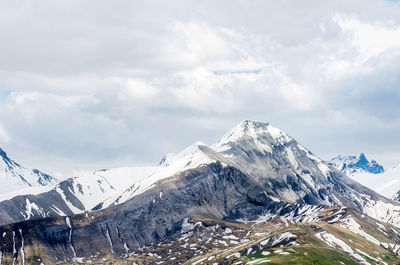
(303, 255)
(314, 251)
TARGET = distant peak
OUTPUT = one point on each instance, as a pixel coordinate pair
(362, 157)
(352, 164)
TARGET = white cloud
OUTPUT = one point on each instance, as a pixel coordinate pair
(362, 46)
(4, 137)
(194, 43)
(101, 86)
(370, 39)
(138, 89)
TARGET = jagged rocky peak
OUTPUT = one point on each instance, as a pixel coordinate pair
(2, 153)
(351, 164)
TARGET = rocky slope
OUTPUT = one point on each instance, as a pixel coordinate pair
(256, 176)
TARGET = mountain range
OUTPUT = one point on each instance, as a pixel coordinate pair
(255, 196)
(352, 164)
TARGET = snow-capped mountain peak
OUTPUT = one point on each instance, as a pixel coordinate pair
(352, 164)
(262, 133)
(13, 176)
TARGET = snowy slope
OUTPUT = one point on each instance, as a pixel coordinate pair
(15, 177)
(386, 183)
(103, 185)
(193, 156)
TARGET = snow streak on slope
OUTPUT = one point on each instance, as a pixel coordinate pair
(335, 242)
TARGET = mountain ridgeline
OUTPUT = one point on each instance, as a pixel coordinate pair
(352, 164)
(13, 176)
(255, 178)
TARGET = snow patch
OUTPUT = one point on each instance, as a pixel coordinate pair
(334, 242)
(109, 240)
(350, 224)
(68, 222)
(22, 247)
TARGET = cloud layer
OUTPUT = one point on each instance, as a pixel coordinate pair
(97, 84)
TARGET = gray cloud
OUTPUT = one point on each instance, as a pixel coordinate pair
(96, 84)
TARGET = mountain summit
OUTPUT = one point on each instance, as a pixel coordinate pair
(13, 176)
(262, 133)
(352, 164)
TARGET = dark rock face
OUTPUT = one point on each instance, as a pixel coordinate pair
(46, 204)
(28, 207)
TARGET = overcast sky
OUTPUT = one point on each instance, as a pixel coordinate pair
(99, 84)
